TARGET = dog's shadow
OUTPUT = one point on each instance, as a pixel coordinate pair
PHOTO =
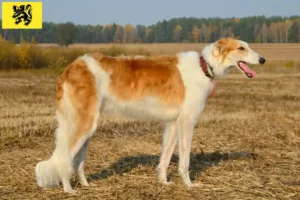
(198, 163)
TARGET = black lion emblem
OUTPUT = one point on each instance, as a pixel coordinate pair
(24, 13)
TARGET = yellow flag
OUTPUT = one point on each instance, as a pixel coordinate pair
(22, 15)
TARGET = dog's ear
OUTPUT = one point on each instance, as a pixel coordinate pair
(219, 47)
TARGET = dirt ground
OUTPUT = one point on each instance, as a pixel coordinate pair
(246, 143)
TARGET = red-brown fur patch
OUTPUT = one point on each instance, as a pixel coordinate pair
(136, 78)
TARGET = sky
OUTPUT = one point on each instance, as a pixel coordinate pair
(151, 11)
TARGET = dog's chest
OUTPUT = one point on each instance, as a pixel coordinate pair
(148, 109)
(198, 88)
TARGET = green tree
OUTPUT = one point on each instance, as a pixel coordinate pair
(150, 35)
(65, 33)
(140, 33)
(251, 29)
(294, 32)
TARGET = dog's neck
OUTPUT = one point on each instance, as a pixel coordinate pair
(213, 62)
(208, 70)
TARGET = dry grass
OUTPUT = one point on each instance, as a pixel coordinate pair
(30, 55)
(246, 144)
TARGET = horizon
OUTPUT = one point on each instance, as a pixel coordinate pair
(148, 14)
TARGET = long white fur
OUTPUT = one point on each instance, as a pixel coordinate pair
(179, 121)
(59, 167)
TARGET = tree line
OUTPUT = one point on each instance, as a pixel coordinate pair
(253, 29)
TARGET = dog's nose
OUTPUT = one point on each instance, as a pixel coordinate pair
(262, 60)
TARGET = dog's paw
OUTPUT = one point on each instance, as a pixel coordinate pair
(90, 185)
(70, 191)
(85, 184)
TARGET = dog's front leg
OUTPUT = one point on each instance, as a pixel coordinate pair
(169, 142)
(185, 134)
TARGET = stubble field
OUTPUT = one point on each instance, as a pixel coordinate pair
(246, 143)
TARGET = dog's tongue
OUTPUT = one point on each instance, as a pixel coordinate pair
(246, 69)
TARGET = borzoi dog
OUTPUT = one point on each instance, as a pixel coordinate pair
(171, 89)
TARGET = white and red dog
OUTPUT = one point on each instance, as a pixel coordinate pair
(172, 89)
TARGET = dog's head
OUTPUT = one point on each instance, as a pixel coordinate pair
(232, 52)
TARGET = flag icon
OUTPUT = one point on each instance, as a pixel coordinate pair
(22, 15)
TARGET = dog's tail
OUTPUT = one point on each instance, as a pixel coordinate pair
(77, 114)
(49, 173)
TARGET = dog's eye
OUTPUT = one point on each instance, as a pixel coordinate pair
(241, 48)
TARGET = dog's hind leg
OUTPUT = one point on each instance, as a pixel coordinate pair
(79, 162)
(78, 107)
(59, 167)
(169, 142)
(85, 123)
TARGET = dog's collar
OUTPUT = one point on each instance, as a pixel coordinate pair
(204, 67)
